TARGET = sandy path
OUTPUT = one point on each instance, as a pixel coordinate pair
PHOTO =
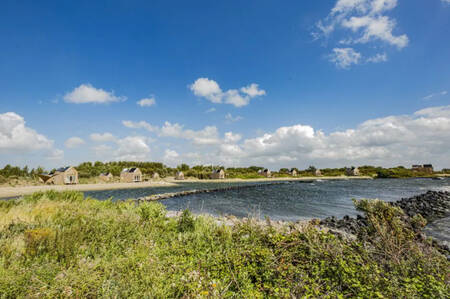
(24, 190)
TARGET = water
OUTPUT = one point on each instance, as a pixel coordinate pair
(293, 200)
(288, 201)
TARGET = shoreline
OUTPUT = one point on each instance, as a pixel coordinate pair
(7, 192)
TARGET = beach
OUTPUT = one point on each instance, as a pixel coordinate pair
(10, 191)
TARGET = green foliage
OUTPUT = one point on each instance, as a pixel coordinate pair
(61, 245)
(186, 223)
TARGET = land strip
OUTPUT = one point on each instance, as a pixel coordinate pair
(6, 192)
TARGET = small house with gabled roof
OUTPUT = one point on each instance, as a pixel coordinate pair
(62, 176)
(267, 173)
(179, 175)
(353, 171)
(131, 175)
(106, 176)
(217, 174)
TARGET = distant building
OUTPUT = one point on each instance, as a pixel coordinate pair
(318, 172)
(155, 176)
(267, 173)
(179, 175)
(353, 171)
(61, 176)
(106, 177)
(427, 168)
(131, 175)
(294, 172)
(217, 174)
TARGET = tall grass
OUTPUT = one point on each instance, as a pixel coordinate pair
(63, 245)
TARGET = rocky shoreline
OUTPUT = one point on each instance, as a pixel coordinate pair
(432, 205)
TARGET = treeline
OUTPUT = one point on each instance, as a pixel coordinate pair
(93, 169)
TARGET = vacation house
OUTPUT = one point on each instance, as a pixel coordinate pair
(130, 175)
(179, 175)
(428, 168)
(106, 177)
(267, 173)
(217, 174)
(155, 176)
(353, 171)
(294, 172)
(61, 176)
(318, 172)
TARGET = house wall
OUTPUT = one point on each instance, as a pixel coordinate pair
(218, 175)
(106, 178)
(70, 177)
(130, 177)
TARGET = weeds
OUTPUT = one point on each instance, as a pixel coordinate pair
(62, 245)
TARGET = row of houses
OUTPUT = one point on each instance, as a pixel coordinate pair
(69, 176)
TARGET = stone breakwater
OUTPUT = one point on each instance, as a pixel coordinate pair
(197, 191)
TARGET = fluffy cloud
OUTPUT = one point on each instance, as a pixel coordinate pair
(105, 137)
(210, 90)
(139, 125)
(19, 142)
(132, 148)
(253, 90)
(418, 138)
(15, 136)
(74, 142)
(171, 157)
(345, 57)
(206, 136)
(86, 93)
(147, 102)
(378, 58)
(363, 21)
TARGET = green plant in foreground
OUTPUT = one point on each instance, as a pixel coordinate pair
(63, 245)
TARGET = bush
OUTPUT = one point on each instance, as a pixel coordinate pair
(61, 245)
(186, 223)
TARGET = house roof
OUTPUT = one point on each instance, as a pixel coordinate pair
(130, 170)
(61, 169)
(217, 170)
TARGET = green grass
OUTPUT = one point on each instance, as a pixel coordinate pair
(63, 245)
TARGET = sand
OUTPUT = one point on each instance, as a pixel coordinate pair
(24, 190)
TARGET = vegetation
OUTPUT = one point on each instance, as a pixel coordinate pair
(89, 172)
(62, 245)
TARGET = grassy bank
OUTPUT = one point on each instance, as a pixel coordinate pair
(60, 244)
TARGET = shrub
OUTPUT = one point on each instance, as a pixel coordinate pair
(186, 223)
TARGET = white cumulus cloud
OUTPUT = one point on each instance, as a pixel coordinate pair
(105, 137)
(147, 102)
(132, 148)
(86, 93)
(74, 142)
(362, 22)
(345, 57)
(16, 136)
(210, 90)
(139, 125)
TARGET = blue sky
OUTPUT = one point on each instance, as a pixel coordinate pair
(335, 82)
